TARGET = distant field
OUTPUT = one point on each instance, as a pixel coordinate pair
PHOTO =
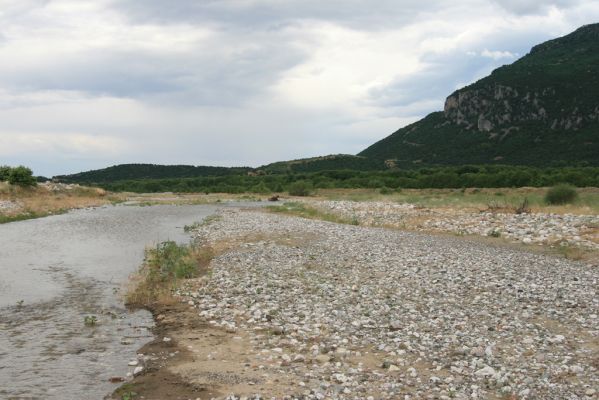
(482, 199)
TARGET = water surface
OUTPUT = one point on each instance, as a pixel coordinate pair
(55, 271)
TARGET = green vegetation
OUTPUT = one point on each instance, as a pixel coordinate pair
(90, 320)
(325, 163)
(561, 194)
(18, 176)
(4, 219)
(541, 110)
(4, 172)
(147, 171)
(163, 267)
(302, 210)
(126, 391)
(300, 188)
(469, 176)
(206, 221)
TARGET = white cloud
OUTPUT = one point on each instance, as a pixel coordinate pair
(498, 54)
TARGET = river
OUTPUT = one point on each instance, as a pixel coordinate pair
(54, 272)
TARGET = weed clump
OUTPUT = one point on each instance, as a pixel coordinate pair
(561, 194)
(163, 267)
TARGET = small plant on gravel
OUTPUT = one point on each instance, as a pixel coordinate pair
(164, 266)
(128, 396)
(192, 227)
(90, 320)
(494, 233)
(523, 208)
(20, 303)
(561, 194)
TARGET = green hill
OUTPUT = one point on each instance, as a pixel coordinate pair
(148, 171)
(324, 163)
(541, 110)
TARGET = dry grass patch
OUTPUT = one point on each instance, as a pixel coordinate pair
(43, 200)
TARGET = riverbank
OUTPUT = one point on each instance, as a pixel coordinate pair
(21, 203)
(300, 308)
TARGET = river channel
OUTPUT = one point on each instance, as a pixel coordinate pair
(54, 272)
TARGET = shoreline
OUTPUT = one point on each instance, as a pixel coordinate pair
(244, 373)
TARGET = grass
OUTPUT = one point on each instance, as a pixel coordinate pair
(126, 391)
(473, 198)
(164, 267)
(206, 221)
(573, 252)
(301, 210)
(90, 320)
(4, 219)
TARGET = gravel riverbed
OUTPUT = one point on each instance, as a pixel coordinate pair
(353, 312)
(527, 228)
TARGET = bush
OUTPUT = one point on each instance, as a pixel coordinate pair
(561, 194)
(4, 172)
(385, 190)
(300, 188)
(21, 176)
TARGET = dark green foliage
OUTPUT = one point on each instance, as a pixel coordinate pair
(561, 194)
(543, 110)
(325, 163)
(300, 188)
(260, 188)
(148, 171)
(4, 172)
(486, 176)
(21, 176)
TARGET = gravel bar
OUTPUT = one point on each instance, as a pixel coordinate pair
(353, 312)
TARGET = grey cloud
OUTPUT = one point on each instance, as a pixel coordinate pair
(276, 13)
(204, 77)
(527, 7)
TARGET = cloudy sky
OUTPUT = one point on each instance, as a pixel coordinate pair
(86, 84)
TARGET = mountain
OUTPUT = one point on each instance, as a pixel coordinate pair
(541, 110)
(147, 171)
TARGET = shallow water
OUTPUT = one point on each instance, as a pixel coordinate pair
(55, 271)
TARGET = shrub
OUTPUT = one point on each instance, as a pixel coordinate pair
(561, 194)
(300, 188)
(4, 172)
(21, 176)
(385, 190)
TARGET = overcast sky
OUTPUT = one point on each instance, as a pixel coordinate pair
(90, 83)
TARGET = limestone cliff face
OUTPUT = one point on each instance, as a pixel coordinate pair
(499, 108)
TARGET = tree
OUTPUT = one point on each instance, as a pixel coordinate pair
(21, 176)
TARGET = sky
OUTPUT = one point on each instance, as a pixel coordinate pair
(91, 83)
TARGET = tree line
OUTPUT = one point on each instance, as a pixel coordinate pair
(468, 176)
